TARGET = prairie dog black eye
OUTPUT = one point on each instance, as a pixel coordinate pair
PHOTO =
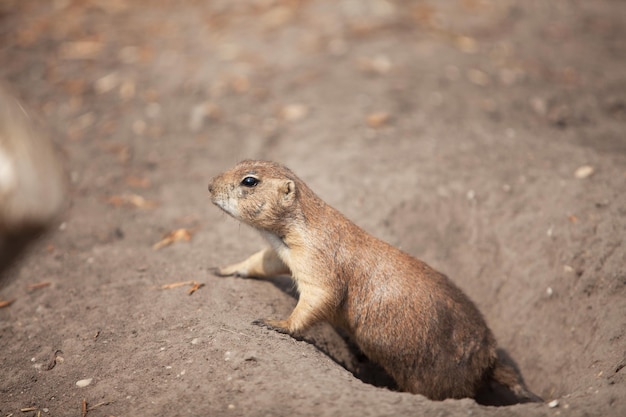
(249, 182)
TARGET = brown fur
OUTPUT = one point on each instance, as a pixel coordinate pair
(402, 314)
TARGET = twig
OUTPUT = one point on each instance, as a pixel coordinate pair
(234, 332)
(84, 412)
(195, 287)
(7, 303)
(38, 285)
(93, 407)
(176, 284)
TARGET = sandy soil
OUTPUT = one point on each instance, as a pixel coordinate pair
(452, 129)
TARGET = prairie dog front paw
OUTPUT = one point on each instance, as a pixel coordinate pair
(230, 271)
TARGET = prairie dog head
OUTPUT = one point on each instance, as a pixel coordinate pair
(259, 193)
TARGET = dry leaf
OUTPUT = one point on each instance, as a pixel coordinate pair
(122, 151)
(127, 90)
(379, 65)
(277, 17)
(37, 285)
(466, 44)
(174, 236)
(7, 303)
(240, 84)
(80, 49)
(137, 182)
(107, 83)
(478, 77)
(195, 287)
(176, 285)
(131, 200)
(378, 119)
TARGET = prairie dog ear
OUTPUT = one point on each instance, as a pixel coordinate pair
(288, 191)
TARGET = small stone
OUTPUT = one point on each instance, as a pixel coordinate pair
(84, 382)
(549, 291)
(553, 404)
(584, 171)
(294, 112)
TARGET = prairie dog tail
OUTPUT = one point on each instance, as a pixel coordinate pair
(506, 375)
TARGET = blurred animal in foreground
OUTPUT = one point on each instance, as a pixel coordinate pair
(32, 180)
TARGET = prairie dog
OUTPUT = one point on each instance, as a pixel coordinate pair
(32, 180)
(404, 315)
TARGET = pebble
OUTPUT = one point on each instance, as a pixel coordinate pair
(553, 404)
(584, 171)
(294, 112)
(83, 382)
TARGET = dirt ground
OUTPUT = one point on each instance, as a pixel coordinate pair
(486, 137)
